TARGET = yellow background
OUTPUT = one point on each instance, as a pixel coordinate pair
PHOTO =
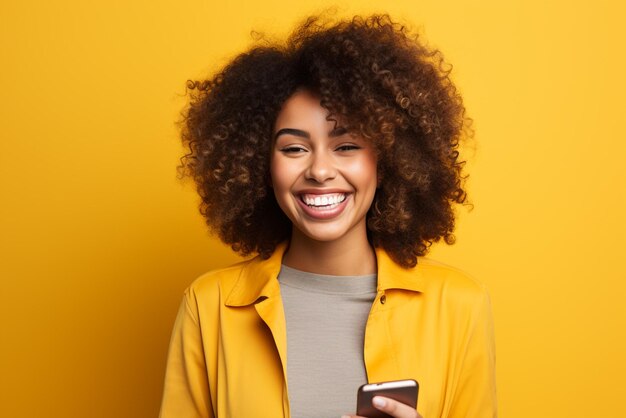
(99, 238)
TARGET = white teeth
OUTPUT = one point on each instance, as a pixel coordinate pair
(324, 200)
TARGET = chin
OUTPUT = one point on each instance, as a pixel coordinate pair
(324, 238)
(325, 234)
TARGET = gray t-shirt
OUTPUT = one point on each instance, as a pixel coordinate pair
(326, 317)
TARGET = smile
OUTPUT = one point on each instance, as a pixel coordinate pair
(326, 201)
(323, 206)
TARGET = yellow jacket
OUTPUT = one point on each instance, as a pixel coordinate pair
(431, 323)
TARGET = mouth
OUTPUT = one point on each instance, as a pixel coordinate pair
(325, 206)
(323, 201)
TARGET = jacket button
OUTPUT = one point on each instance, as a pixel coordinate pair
(383, 299)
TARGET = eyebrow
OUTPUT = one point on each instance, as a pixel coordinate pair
(294, 132)
(304, 134)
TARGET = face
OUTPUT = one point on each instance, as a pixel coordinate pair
(324, 178)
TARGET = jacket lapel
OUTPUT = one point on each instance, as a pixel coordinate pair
(258, 285)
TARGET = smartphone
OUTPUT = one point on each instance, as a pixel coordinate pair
(404, 391)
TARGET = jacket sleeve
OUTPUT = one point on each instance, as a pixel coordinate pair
(186, 389)
(475, 395)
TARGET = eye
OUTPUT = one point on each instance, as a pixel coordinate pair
(292, 149)
(348, 147)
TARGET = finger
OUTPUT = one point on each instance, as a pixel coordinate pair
(394, 408)
(352, 416)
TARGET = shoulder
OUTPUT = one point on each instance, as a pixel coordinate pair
(451, 284)
(205, 296)
(438, 274)
(240, 284)
(214, 282)
(210, 288)
(433, 279)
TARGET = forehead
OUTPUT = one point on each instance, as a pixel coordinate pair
(302, 109)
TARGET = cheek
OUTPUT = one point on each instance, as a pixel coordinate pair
(366, 171)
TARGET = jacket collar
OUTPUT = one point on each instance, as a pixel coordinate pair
(258, 278)
(394, 276)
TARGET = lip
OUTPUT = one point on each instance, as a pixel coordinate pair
(321, 191)
(322, 214)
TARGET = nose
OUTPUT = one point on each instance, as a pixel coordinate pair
(321, 167)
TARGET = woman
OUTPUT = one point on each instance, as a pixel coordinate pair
(334, 159)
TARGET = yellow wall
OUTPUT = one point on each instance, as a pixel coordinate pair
(98, 238)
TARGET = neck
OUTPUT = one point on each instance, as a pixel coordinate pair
(337, 258)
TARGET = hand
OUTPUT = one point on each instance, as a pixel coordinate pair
(389, 406)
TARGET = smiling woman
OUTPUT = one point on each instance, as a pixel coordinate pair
(334, 159)
(324, 180)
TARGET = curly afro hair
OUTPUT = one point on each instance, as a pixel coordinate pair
(373, 74)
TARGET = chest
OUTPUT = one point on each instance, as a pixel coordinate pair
(402, 339)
